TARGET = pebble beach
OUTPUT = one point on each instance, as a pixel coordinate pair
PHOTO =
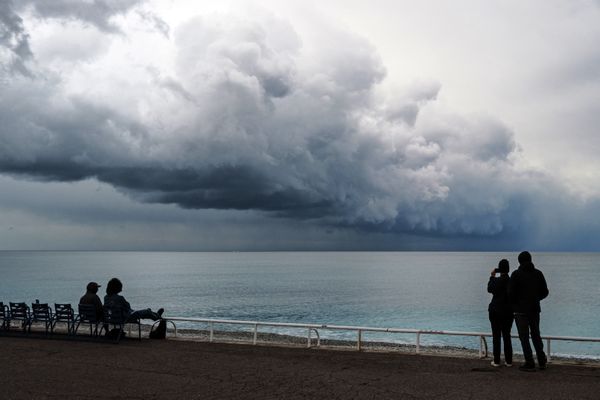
(187, 366)
(34, 367)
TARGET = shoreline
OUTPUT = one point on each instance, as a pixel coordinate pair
(285, 340)
(292, 341)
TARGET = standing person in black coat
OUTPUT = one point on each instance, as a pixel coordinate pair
(526, 288)
(500, 311)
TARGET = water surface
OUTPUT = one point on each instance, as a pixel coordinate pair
(425, 290)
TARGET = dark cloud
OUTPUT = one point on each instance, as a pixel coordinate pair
(252, 118)
(94, 12)
(13, 39)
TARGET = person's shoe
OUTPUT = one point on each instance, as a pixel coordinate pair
(160, 312)
(508, 364)
(494, 364)
(542, 362)
(527, 367)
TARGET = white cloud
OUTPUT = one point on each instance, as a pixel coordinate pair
(67, 42)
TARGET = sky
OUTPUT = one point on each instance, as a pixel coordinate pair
(299, 125)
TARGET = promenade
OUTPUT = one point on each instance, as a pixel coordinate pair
(63, 369)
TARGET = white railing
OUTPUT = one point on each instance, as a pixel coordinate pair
(310, 328)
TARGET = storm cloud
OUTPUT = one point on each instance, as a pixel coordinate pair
(95, 12)
(14, 43)
(248, 115)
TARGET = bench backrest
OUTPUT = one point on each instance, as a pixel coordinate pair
(63, 312)
(19, 310)
(41, 311)
(3, 311)
(87, 313)
(114, 315)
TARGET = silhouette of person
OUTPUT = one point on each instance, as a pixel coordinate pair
(114, 299)
(526, 288)
(500, 313)
(91, 297)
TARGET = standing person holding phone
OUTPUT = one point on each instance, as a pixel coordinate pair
(501, 313)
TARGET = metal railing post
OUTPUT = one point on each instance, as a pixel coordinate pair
(485, 347)
(255, 334)
(480, 346)
(174, 327)
(549, 349)
(359, 340)
(212, 332)
(418, 342)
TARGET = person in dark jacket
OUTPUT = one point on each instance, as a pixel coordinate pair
(91, 297)
(114, 299)
(500, 312)
(527, 287)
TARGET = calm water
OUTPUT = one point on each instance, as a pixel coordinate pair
(440, 291)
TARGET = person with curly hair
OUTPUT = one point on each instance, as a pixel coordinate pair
(114, 300)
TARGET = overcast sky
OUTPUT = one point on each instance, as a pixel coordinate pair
(299, 125)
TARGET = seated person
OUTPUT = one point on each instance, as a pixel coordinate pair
(113, 299)
(91, 297)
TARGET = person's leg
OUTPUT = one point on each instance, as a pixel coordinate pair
(507, 322)
(144, 314)
(523, 328)
(538, 343)
(496, 332)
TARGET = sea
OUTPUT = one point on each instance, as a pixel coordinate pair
(417, 290)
